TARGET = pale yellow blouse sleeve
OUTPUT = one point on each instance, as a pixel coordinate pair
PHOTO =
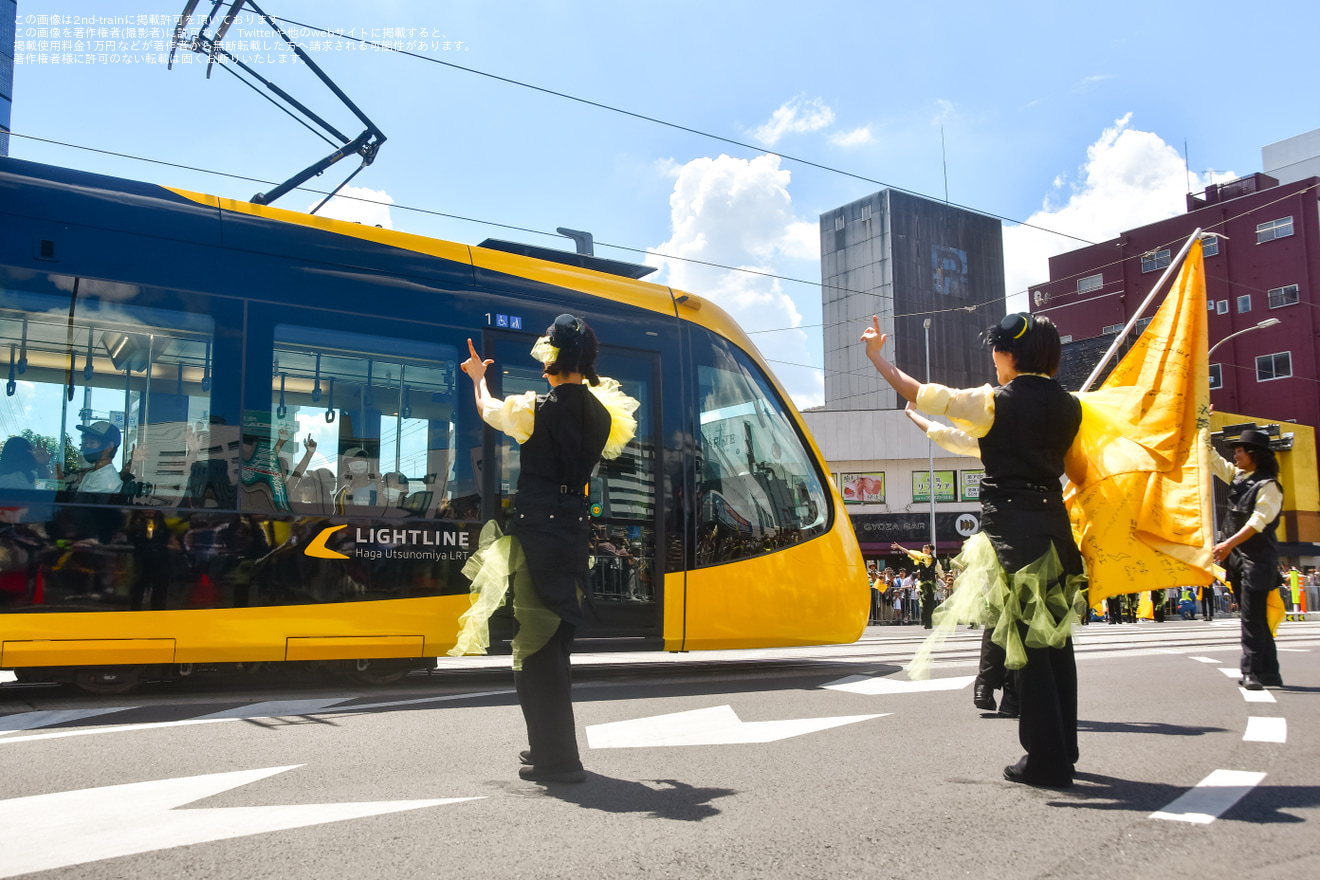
(971, 409)
(515, 416)
(953, 440)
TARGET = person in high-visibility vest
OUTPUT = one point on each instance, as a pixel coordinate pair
(1297, 609)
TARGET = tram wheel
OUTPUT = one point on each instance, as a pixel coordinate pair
(107, 681)
(378, 672)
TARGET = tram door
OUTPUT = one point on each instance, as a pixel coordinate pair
(624, 592)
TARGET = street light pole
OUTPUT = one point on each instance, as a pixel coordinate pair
(1268, 322)
(1214, 507)
(930, 450)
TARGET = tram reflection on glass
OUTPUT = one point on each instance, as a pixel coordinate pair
(239, 435)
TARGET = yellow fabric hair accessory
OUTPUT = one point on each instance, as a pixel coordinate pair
(544, 352)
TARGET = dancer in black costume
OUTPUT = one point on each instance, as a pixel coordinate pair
(563, 435)
(1032, 576)
(1249, 549)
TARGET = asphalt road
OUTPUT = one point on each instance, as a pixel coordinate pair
(809, 762)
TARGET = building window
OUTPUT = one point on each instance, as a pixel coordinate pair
(866, 212)
(1153, 261)
(1244, 304)
(1274, 366)
(1274, 229)
(1216, 376)
(1283, 296)
(1141, 323)
(1209, 245)
(1111, 328)
(1210, 305)
(1090, 283)
(838, 223)
(1221, 307)
(1065, 339)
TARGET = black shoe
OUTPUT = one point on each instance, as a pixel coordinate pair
(984, 698)
(525, 757)
(1251, 683)
(1015, 773)
(1271, 681)
(563, 774)
(1008, 705)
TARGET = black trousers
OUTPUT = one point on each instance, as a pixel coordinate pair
(1208, 603)
(545, 694)
(927, 604)
(1047, 723)
(1259, 657)
(992, 672)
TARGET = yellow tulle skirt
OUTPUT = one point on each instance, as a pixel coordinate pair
(1040, 595)
(500, 557)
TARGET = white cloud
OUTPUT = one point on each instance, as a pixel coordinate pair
(1130, 178)
(854, 138)
(357, 204)
(941, 114)
(738, 212)
(797, 116)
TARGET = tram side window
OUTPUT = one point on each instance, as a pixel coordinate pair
(758, 487)
(358, 425)
(105, 401)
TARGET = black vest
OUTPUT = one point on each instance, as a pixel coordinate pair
(1242, 494)
(552, 522)
(571, 429)
(926, 573)
(1035, 423)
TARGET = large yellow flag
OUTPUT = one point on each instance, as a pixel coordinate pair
(1140, 491)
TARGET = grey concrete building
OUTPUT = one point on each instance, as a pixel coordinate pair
(8, 33)
(907, 258)
(1292, 159)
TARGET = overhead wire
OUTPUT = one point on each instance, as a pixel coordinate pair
(430, 212)
(674, 125)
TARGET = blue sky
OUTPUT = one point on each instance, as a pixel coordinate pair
(1071, 116)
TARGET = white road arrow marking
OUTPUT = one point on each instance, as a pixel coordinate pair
(861, 684)
(48, 831)
(706, 727)
(1211, 797)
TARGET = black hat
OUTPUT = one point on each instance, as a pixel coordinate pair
(1252, 438)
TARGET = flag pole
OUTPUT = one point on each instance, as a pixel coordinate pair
(1118, 340)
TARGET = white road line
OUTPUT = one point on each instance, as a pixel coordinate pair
(1230, 672)
(1211, 797)
(358, 706)
(276, 709)
(90, 731)
(1257, 696)
(1295, 650)
(30, 720)
(1266, 730)
(861, 684)
(1204, 659)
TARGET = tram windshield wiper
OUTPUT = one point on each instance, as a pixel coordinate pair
(365, 144)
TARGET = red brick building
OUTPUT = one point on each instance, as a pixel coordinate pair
(1265, 265)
